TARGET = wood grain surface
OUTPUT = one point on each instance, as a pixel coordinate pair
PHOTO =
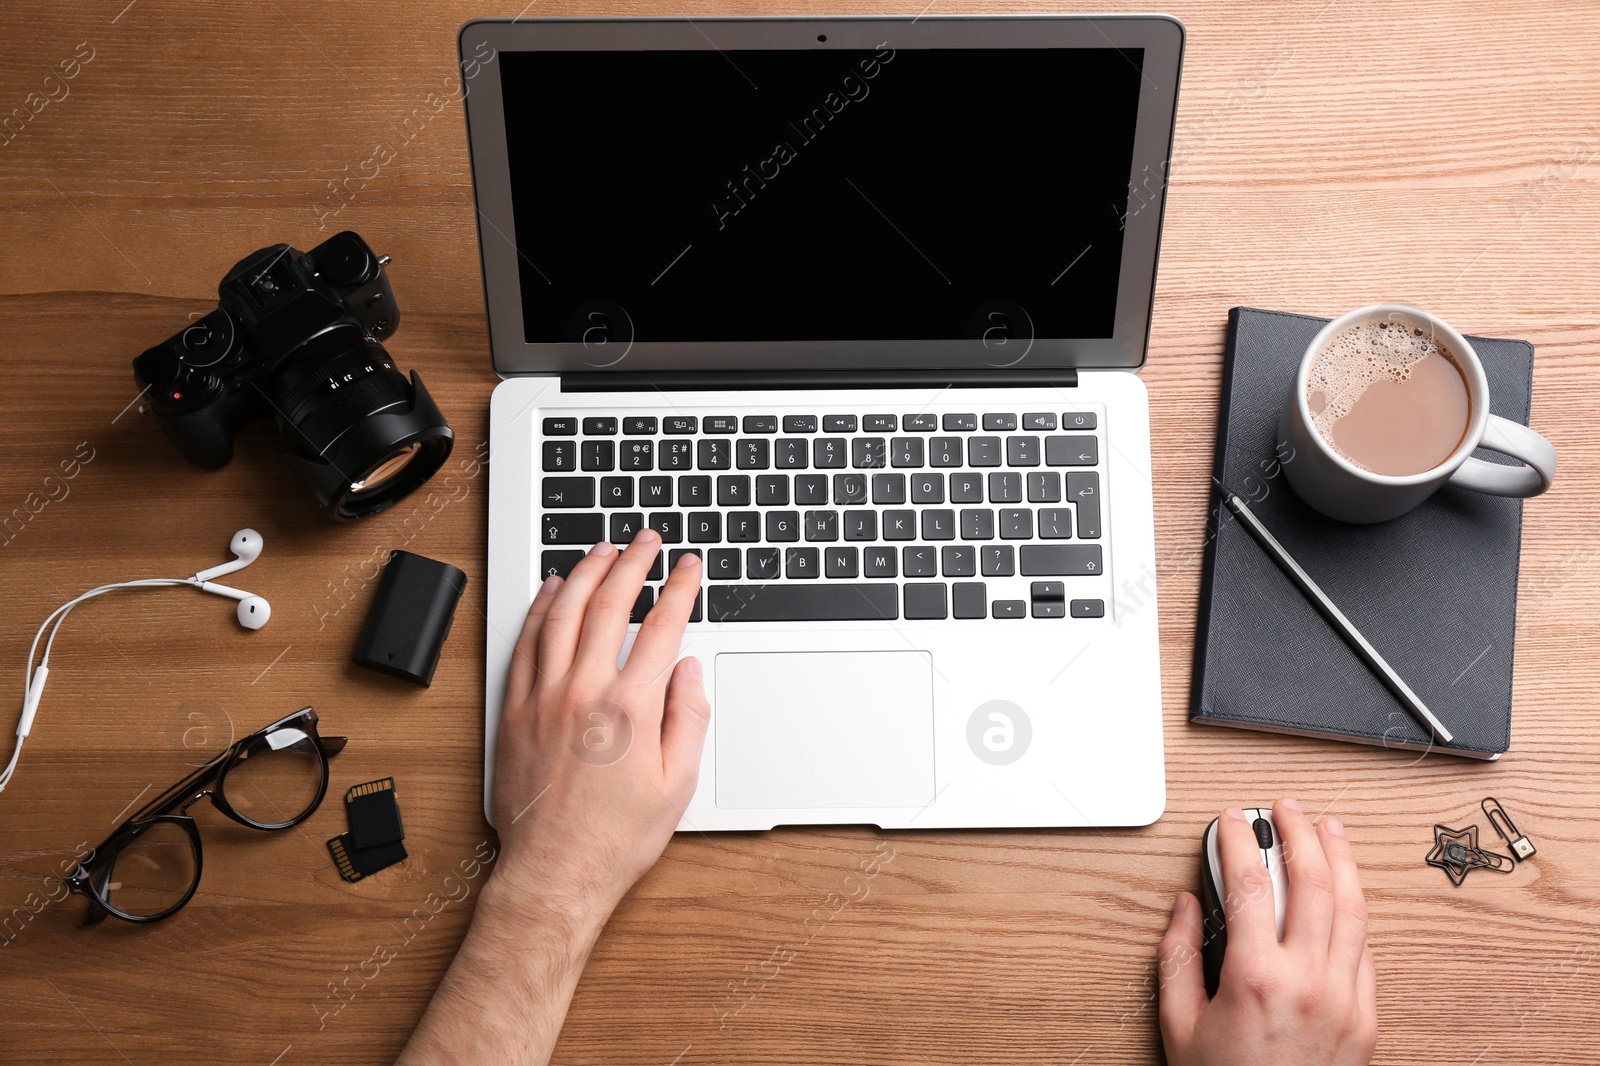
(1328, 154)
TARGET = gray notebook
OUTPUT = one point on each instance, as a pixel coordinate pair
(1434, 590)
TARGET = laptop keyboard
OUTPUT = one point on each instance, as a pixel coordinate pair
(840, 517)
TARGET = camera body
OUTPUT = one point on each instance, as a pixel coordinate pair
(296, 335)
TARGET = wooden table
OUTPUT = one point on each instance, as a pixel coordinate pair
(1328, 154)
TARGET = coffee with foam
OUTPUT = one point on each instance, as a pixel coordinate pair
(1389, 397)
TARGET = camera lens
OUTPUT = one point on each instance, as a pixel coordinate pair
(387, 469)
(362, 435)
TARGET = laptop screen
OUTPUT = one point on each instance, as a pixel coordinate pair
(821, 195)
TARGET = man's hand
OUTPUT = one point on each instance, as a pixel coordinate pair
(596, 764)
(1312, 998)
(594, 767)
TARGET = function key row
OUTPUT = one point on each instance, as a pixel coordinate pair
(633, 426)
(822, 453)
(683, 425)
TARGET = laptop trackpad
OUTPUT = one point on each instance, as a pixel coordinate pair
(824, 729)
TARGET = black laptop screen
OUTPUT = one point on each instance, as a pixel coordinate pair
(820, 195)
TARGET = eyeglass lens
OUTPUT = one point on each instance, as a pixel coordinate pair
(276, 779)
(152, 872)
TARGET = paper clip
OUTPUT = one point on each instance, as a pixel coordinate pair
(1456, 852)
(1521, 846)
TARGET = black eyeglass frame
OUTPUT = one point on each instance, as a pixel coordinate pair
(92, 875)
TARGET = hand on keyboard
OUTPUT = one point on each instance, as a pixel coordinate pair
(595, 763)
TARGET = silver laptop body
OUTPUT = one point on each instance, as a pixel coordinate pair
(854, 309)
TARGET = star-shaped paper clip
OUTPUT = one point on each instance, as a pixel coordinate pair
(1456, 852)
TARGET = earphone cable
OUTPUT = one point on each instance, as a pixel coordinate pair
(34, 676)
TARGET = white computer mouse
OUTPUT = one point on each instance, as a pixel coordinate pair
(1212, 897)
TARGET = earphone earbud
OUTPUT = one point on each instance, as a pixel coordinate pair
(253, 610)
(246, 547)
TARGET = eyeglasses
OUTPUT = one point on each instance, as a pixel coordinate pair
(149, 867)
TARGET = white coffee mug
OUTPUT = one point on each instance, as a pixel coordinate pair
(1338, 488)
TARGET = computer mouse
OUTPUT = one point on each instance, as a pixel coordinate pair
(1212, 896)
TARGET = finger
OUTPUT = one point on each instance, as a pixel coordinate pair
(1247, 887)
(1308, 916)
(1182, 977)
(524, 662)
(683, 727)
(1367, 989)
(605, 623)
(1348, 940)
(563, 622)
(660, 637)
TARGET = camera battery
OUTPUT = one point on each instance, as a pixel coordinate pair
(410, 617)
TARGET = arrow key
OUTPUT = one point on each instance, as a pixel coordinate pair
(1048, 599)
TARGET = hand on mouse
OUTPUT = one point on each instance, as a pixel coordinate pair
(1311, 998)
(596, 764)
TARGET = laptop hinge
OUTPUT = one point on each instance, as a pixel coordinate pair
(755, 380)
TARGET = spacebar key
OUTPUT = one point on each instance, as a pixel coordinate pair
(803, 603)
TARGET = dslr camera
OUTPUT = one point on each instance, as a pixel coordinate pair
(296, 335)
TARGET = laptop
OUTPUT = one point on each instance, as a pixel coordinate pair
(852, 307)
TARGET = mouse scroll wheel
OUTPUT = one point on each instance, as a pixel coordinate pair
(1263, 830)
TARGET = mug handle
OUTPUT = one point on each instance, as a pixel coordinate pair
(1519, 442)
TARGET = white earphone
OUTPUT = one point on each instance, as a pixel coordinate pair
(252, 612)
(246, 547)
